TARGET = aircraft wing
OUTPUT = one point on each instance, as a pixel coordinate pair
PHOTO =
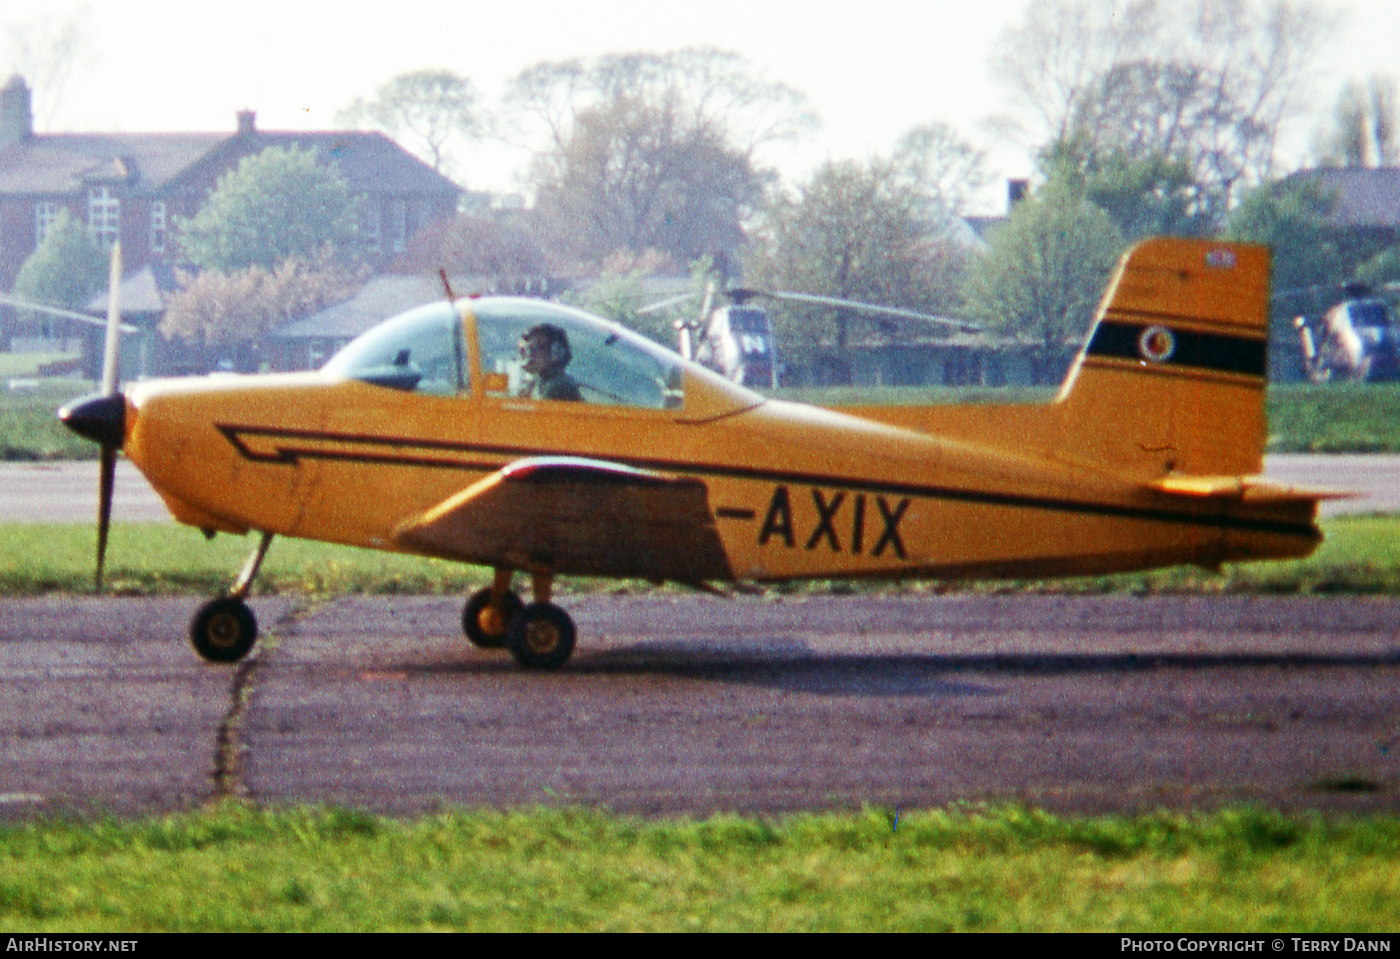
(578, 516)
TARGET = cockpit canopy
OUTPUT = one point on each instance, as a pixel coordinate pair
(426, 350)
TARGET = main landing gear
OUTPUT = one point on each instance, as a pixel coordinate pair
(539, 636)
(224, 630)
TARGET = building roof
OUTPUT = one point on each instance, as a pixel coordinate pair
(144, 291)
(1364, 197)
(379, 299)
(56, 164)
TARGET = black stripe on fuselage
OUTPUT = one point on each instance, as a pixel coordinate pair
(291, 454)
(1217, 352)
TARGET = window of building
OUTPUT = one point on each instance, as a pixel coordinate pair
(398, 225)
(45, 213)
(158, 227)
(104, 216)
(370, 226)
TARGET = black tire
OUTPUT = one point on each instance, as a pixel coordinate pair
(542, 637)
(224, 630)
(485, 628)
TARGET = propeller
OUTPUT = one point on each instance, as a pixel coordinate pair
(101, 417)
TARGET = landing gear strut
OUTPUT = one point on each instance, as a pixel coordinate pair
(225, 629)
(539, 636)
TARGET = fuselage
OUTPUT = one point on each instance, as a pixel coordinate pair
(796, 491)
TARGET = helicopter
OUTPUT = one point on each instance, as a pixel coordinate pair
(1357, 340)
(736, 339)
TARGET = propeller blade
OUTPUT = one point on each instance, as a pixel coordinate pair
(114, 321)
(106, 481)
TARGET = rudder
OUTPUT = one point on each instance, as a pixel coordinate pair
(1172, 378)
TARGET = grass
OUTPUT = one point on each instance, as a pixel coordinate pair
(1338, 418)
(1361, 555)
(29, 428)
(22, 365)
(154, 558)
(237, 868)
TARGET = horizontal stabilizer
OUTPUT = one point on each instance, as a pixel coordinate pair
(578, 516)
(1248, 489)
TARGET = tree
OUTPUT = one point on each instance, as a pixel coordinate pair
(218, 308)
(1151, 195)
(427, 108)
(1210, 85)
(1290, 217)
(858, 232)
(281, 203)
(630, 179)
(937, 162)
(475, 246)
(1363, 126)
(639, 151)
(66, 270)
(47, 50)
(1044, 272)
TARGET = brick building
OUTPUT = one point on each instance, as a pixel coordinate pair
(134, 186)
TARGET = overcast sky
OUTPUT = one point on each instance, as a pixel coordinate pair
(872, 68)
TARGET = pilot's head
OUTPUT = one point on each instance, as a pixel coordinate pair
(545, 349)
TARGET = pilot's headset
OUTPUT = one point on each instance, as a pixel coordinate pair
(557, 341)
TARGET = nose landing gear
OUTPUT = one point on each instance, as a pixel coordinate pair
(225, 629)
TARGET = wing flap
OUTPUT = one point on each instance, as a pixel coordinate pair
(581, 517)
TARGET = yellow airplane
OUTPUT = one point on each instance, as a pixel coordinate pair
(539, 440)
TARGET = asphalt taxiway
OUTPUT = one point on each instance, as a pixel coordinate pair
(687, 704)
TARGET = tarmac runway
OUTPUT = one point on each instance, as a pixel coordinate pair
(681, 705)
(67, 492)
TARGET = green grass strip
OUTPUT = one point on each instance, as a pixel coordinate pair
(1360, 556)
(239, 868)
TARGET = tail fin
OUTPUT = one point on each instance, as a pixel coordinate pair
(1172, 378)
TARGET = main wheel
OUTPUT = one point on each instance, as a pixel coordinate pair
(224, 630)
(487, 625)
(541, 637)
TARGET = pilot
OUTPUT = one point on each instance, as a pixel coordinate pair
(545, 350)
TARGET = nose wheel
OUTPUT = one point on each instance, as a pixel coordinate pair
(224, 630)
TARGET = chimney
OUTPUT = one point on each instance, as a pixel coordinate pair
(16, 116)
(1016, 191)
(246, 126)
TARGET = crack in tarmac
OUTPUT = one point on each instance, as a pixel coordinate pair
(227, 774)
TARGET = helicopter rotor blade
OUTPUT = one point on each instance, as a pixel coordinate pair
(669, 301)
(815, 300)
